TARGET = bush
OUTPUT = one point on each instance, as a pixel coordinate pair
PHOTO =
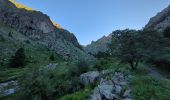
(81, 67)
(19, 59)
(67, 86)
(98, 66)
(52, 57)
(35, 85)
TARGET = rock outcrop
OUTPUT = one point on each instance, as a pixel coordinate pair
(89, 77)
(39, 28)
(112, 85)
(160, 21)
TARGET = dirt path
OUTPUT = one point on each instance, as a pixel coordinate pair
(154, 73)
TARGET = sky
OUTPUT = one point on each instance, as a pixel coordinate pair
(89, 20)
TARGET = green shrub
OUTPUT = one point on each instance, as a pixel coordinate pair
(67, 86)
(146, 88)
(52, 58)
(98, 66)
(35, 84)
(81, 95)
(80, 67)
(19, 59)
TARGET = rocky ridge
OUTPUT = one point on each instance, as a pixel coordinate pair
(101, 45)
(39, 28)
(160, 21)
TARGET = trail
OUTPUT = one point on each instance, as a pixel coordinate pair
(154, 73)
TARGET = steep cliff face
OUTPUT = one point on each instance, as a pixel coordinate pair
(101, 45)
(39, 28)
(160, 21)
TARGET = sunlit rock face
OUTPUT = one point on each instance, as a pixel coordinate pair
(39, 28)
(160, 21)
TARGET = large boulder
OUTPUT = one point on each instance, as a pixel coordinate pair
(89, 77)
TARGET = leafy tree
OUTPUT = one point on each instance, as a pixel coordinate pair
(19, 59)
(35, 84)
(127, 47)
(133, 46)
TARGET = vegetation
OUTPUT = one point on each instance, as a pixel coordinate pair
(81, 67)
(35, 85)
(135, 49)
(52, 58)
(132, 46)
(147, 88)
(19, 59)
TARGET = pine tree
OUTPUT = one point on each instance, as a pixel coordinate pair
(19, 59)
(52, 57)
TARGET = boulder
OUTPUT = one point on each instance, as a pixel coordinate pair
(127, 93)
(51, 66)
(118, 89)
(89, 77)
(107, 91)
(96, 95)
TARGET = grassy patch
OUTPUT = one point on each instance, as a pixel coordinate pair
(80, 95)
(146, 88)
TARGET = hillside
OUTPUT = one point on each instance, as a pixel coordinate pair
(39, 28)
(101, 45)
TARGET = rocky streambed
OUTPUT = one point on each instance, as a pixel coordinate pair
(111, 85)
(8, 87)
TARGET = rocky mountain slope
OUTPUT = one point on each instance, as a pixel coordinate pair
(38, 28)
(101, 45)
(160, 21)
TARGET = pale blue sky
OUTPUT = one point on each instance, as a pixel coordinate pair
(91, 19)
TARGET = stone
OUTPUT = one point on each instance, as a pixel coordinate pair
(124, 83)
(51, 66)
(89, 77)
(107, 91)
(127, 93)
(105, 72)
(118, 89)
(96, 95)
(8, 88)
(106, 82)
